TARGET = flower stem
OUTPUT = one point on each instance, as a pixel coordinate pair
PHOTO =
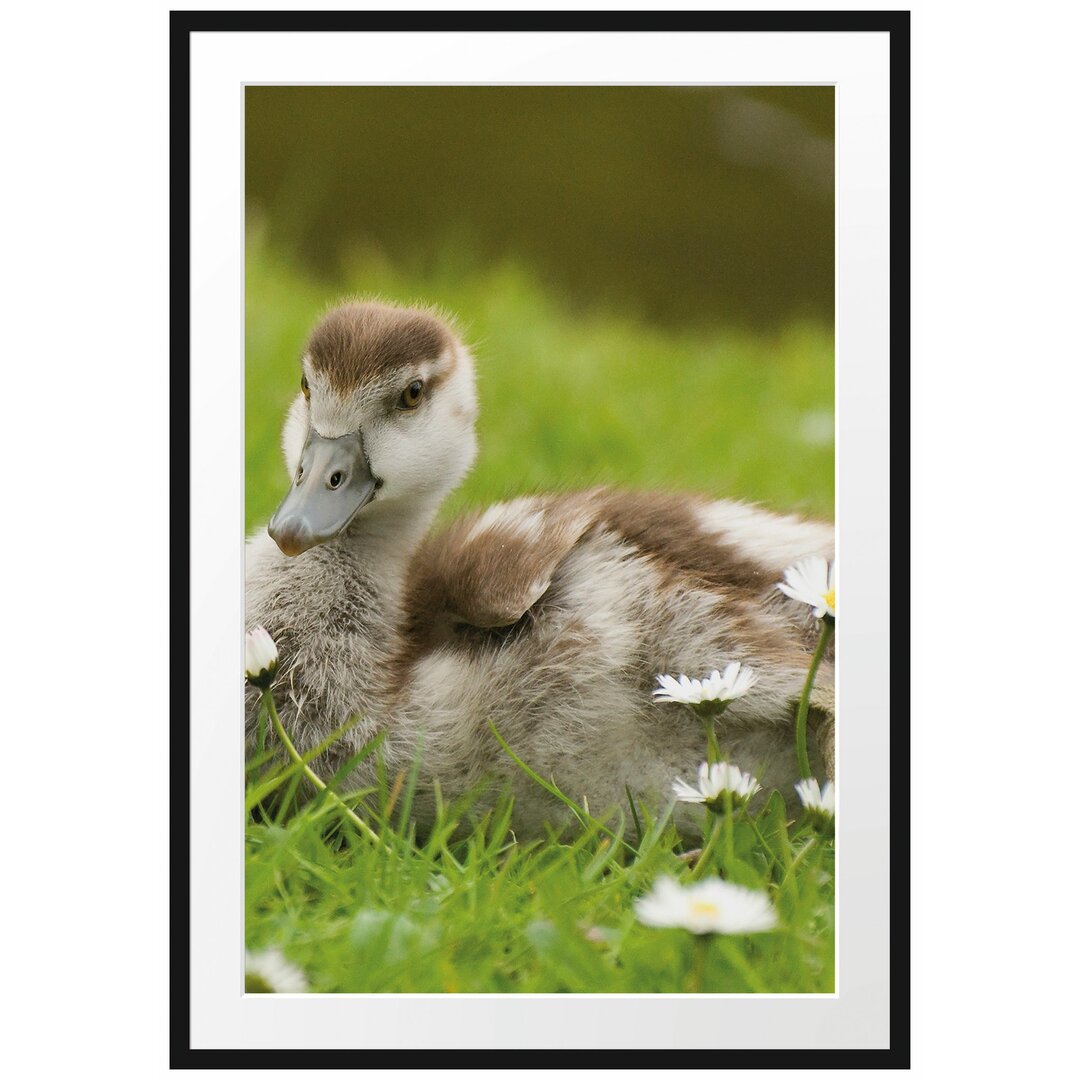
(708, 713)
(363, 826)
(712, 828)
(827, 625)
(260, 738)
(712, 749)
(697, 969)
(729, 831)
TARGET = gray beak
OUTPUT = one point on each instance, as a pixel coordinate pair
(332, 483)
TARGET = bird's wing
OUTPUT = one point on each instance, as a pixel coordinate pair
(489, 568)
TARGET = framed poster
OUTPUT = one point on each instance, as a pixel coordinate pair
(585, 337)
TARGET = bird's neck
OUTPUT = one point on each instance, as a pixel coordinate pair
(380, 542)
(336, 612)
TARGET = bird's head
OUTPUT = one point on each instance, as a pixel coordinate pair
(384, 418)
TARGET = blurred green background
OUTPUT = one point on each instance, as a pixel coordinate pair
(645, 273)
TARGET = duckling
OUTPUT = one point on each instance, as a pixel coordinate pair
(549, 616)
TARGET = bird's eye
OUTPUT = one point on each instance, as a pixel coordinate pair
(304, 386)
(411, 395)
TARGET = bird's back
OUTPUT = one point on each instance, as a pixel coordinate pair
(551, 616)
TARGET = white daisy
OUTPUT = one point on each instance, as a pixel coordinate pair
(714, 691)
(268, 972)
(820, 802)
(260, 657)
(812, 581)
(713, 781)
(713, 906)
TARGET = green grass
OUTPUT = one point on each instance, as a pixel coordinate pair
(469, 909)
(569, 397)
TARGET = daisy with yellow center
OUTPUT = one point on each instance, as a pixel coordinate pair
(714, 906)
(812, 581)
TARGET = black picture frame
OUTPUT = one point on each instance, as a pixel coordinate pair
(894, 23)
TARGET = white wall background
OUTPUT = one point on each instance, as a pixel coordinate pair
(84, 626)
